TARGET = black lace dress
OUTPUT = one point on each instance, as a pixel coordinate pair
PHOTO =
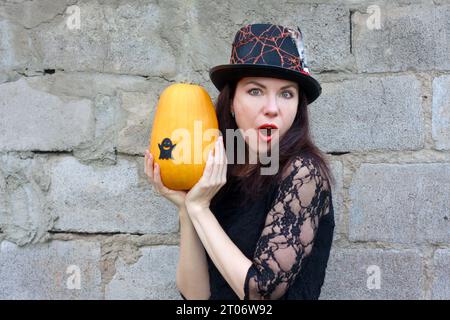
(287, 234)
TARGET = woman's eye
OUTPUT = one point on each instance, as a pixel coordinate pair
(289, 94)
(256, 91)
(251, 91)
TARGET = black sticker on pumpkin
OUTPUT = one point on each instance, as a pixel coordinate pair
(165, 149)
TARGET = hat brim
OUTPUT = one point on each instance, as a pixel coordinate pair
(222, 74)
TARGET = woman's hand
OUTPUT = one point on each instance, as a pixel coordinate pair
(214, 177)
(154, 175)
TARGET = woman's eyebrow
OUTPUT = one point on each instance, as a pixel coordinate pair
(263, 86)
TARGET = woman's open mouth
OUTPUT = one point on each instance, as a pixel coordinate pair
(265, 131)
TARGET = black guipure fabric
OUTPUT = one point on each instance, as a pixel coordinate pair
(287, 234)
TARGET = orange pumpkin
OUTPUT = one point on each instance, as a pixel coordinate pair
(185, 129)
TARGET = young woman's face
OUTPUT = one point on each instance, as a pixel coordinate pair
(260, 101)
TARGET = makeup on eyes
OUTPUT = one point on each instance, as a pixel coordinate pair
(289, 91)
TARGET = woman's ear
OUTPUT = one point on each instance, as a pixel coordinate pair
(232, 111)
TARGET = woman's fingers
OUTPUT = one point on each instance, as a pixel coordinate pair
(149, 164)
(223, 172)
(153, 172)
(215, 175)
(157, 180)
(221, 160)
(208, 166)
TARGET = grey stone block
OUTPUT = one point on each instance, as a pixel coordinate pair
(337, 193)
(104, 145)
(406, 203)
(368, 114)
(55, 270)
(411, 37)
(139, 110)
(91, 84)
(124, 109)
(3, 77)
(34, 120)
(3, 203)
(15, 51)
(325, 27)
(87, 198)
(441, 22)
(441, 112)
(30, 14)
(441, 283)
(151, 277)
(373, 274)
(24, 217)
(112, 37)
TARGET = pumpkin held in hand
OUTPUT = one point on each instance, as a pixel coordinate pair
(185, 129)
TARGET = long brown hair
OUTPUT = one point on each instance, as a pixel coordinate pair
(296, 141)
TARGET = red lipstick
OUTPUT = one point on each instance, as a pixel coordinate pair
(266, 128)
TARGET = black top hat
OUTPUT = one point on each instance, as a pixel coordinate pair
(267, 50)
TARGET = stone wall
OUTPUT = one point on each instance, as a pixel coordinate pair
(79, 81)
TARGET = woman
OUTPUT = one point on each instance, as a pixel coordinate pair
(243, 234)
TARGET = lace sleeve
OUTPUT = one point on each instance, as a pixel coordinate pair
(289, 232)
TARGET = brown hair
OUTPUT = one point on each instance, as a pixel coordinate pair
(296, 141)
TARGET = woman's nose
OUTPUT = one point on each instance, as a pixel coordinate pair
(271, 106)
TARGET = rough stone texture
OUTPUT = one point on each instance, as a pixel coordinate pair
(124, 107)
(90, 84)
(372, 113)
(411, 37)
(3, 77)
(88, 198)
(42, 271)
(441, 112)
(327, 50)
(92, 92)
(35, 120)
(350, 275)
(104, 145)
(24, 213)
(3, 203)
(151, 277)
(139, 109)
(14, 46)
(406, 203)
(117, 37)
(31, 14)
(441, 283)
(337, 194)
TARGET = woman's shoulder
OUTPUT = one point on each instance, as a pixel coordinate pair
(302, 167)
(304, 179)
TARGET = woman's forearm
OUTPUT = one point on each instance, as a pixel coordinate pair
(192, 277)
(226, 256)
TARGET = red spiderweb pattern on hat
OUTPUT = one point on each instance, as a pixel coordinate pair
(268, 44)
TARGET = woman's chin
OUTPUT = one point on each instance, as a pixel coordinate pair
(262, 148)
